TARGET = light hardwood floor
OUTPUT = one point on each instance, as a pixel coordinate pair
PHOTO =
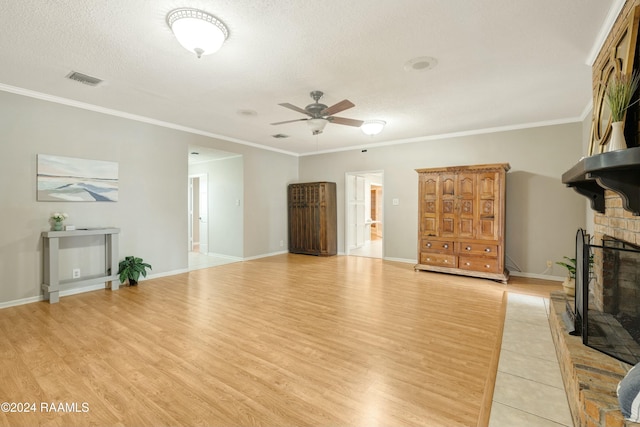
(289, 340)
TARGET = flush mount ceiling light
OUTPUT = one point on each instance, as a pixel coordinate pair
(317, 125)
(373, 127)
(197, 31)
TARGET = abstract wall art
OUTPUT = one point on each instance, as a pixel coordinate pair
(68, 179)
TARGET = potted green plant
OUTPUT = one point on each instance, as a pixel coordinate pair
(130, 268)
(619, 91)
(569, 283)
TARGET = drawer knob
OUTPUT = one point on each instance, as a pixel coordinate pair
(487, 266)
(468, 248)
(428, 259)
(487, 250)
(428, 245)
(446, 246)
(446, 261)
(467, 263)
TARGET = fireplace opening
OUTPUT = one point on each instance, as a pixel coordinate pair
(607, 301)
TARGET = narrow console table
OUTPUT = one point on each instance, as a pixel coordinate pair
(52, 284)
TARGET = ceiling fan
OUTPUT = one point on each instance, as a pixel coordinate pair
(320, 114)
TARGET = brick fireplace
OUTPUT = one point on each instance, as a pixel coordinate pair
(591, 377)
(618, 223)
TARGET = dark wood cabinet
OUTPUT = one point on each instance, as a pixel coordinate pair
(461, 223)
(312, 218)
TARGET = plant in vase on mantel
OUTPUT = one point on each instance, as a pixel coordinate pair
(56, 220)
(620, 90)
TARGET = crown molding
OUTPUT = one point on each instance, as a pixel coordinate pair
(607, 25)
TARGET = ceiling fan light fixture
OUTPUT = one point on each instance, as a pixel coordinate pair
(373, 127)
(197, 31)
(317, 125)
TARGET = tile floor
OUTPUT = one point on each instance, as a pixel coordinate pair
(198, 261)
(529, 389)
(371, 249)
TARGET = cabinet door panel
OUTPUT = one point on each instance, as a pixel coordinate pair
(448, 206)
(429, 205)
(489, 199)
(467, 204)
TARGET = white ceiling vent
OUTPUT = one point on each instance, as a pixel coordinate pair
(83, 78)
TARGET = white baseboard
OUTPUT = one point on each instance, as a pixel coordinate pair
(537, 276)
(233, 258)
(81, 290)
(62, 293)
(263, 255)
(164, 274)
(21, 301)
(405, 260)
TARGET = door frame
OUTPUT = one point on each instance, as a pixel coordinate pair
(347, 215)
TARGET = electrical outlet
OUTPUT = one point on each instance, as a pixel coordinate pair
(76, 273)
(549, 263)
(281, 243)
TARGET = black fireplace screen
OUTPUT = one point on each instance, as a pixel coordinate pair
(612, 321)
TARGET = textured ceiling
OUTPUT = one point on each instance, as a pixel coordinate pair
(501, 63)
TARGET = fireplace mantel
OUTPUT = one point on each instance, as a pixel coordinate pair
(618, 171)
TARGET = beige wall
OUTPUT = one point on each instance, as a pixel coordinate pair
(542, 214)
(152, 206)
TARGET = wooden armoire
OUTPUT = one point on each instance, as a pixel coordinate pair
(313, 218)
(462, 220)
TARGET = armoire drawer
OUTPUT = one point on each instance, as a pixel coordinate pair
(477, 249)
(441, 260)
(442, 246)
(490, 265)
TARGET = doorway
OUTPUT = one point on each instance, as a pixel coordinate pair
(364, 214)
(214, 210)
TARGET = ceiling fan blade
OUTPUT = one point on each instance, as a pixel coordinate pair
(336, 108)
(289, 121)
(345, 121)
(294, 108)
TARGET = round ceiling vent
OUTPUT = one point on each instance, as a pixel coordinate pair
(249, 113)
(421, 63)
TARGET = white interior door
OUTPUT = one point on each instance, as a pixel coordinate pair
(190, 214)
(356, 224)
(360, 220)
(203, 214)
